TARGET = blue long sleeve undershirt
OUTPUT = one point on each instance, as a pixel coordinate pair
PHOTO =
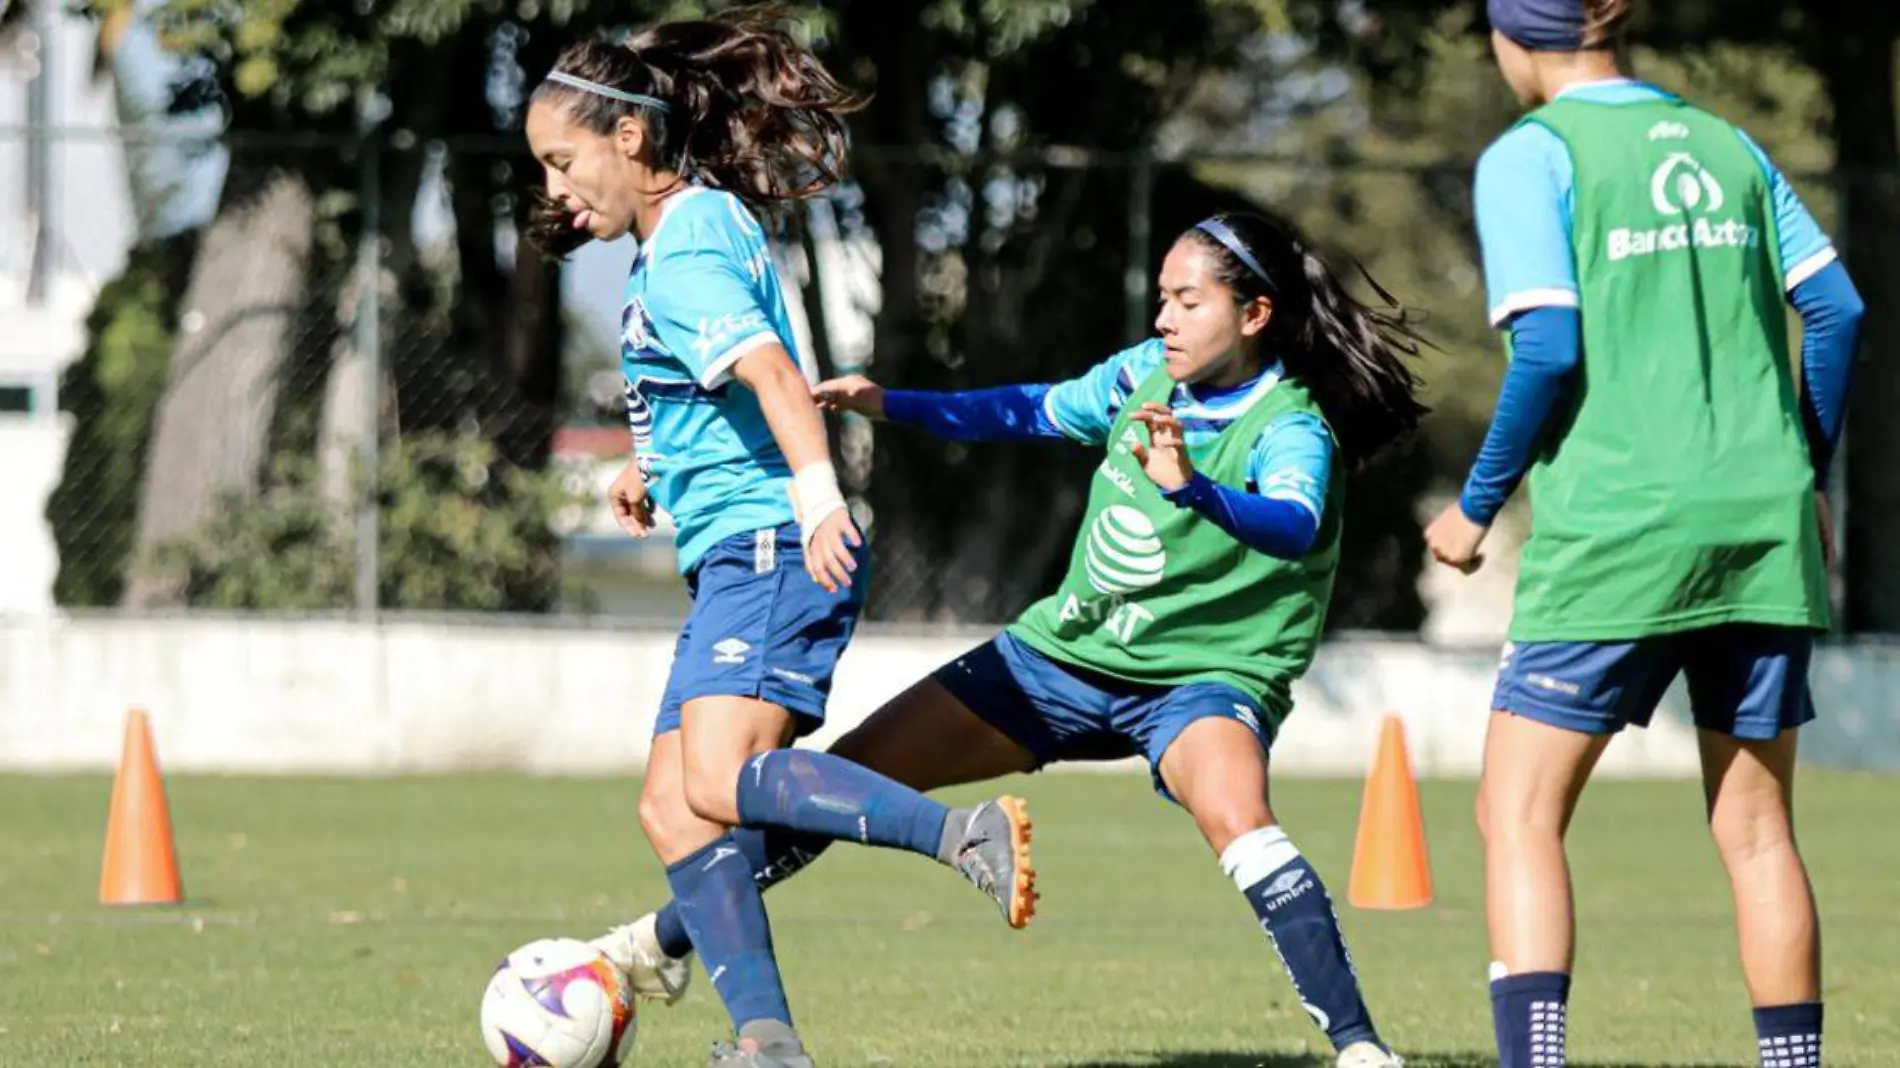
(1546, 346)
(1831, 311)
(1264, 524)
(1280, 528)
(1004, 413)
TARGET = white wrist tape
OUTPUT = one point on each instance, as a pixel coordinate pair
(815, 496)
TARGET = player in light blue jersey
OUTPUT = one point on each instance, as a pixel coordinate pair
(676, 136)
(1267, 383)
(702, 296)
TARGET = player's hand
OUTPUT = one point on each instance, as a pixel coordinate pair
(1825, 515)
(852, 393)
(1165, 460)
(1454, 539)
(627, 496)
(828, 557)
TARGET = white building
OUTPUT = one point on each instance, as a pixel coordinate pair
(76, 222)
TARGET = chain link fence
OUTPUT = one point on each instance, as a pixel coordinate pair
(234, 399)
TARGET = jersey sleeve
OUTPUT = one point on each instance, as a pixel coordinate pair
(1805, 248)
(703, 296)
(1522, 198)
(1293, 461)
(1085, 408)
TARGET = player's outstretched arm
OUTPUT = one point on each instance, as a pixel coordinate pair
(1080, 409)
(1004, 413)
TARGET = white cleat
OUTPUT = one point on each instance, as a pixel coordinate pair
(635, 950)
(1368, 1055)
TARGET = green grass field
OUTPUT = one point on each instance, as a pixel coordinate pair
(340, 922)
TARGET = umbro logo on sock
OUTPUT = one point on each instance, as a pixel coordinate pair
(1287, 887)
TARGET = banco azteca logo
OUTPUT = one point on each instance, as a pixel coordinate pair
(1682, 185)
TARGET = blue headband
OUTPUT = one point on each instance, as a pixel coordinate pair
(1540, 25)
(608, 91)
(1230, 241)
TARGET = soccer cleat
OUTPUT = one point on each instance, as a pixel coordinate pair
(1368, 1055)
(994, 855)
(727, 1055)
(635, 950)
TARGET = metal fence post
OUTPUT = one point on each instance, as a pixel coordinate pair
(369, 344)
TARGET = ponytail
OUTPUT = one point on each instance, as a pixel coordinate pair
(1604, 23)
(736, 104)
(1345, 352)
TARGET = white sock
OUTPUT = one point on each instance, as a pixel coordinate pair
(1257, 854)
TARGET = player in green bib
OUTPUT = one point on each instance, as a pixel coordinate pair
(1640, 253)
(1197, 589)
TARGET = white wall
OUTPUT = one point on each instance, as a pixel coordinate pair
(33, 450)
(252, 695)
(255, 695)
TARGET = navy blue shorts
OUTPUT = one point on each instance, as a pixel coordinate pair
(1062, 712)
(1746, 681)
(760, 627)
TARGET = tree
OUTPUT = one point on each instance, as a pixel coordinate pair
(324, 100)
(1003, 253)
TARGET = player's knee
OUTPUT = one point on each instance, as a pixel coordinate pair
(711, 784)
(666, 818)
(1748, 834)
(1221, 824)
(1504, 817)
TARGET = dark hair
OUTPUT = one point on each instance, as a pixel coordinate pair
(1604, 23)
(748, 110)
(1345, 352)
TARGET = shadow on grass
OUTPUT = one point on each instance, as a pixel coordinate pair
(1215, 1059)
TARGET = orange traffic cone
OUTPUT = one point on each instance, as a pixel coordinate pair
(1390, 866)
(141, 865)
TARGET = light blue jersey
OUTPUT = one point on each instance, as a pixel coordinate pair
(1524, 198)
(702, 294)
(1291, 461)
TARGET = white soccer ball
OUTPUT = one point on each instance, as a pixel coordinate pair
(558, 1003)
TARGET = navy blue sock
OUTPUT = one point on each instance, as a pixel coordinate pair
(773, 855)
(1530, 1013)
(721, 909)
(817, 793)
(1295, 911)
(1789, 1036)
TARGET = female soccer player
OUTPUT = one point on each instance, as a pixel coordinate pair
(1196, 592)
(675, 136)
(1636, 250)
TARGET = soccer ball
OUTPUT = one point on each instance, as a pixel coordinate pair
(558, 1003)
